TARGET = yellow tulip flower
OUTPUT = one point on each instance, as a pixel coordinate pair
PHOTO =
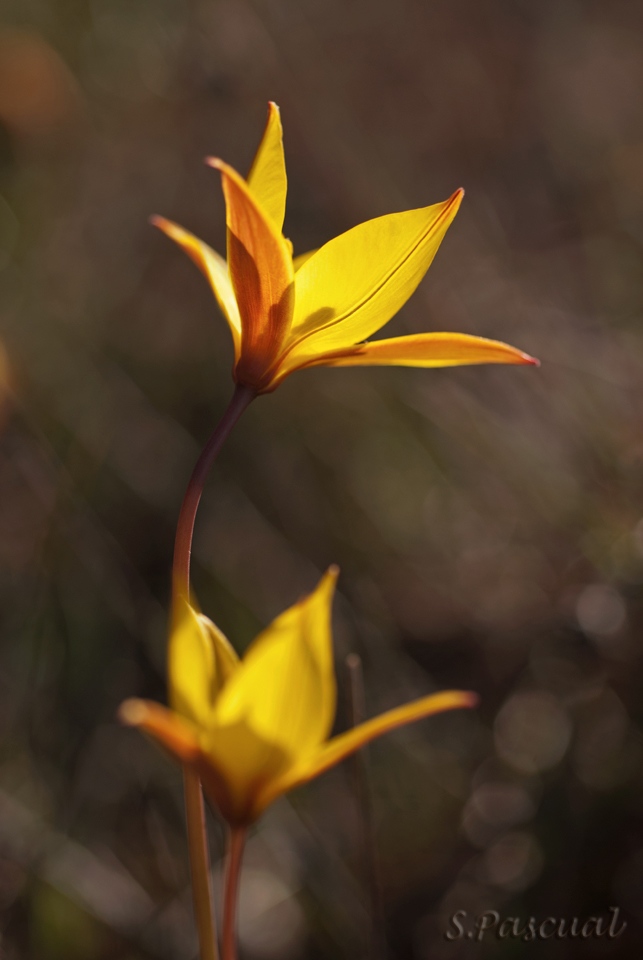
(319, 308)
(254, 728)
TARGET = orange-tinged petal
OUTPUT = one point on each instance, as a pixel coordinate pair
(267, 177)
(262, 277)
(173, 733)
(427, 350)
(214, 267)
(181, 740)
(355, 283)
(342, 746)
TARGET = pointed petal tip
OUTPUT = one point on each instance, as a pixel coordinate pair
(328, 583)
(529, 360)
(226, 170)
(132, 712)
(451, 700)
(166, 226)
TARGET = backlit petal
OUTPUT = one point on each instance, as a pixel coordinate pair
(214, 267)
(301, 259)
(173, 733)
(267, 177)
(184, 743)
(226, 659)
(200, 661)
(428, 350)
(342, 746)
(244, 762)
(355, 283)
(262, 277)
(284, 688)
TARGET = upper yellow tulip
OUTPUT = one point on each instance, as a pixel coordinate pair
(255, 728)
(319, 308)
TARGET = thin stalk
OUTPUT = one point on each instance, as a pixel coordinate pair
(357, 713)
(200, 866)
(183, 543)
(195, 813)
(233, 874)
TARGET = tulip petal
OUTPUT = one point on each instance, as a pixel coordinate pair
(173, 733)
(342, 746)
(214, 267)
(355, 283)
(243, 761)
(427, 350)
(284, 688)
(184, 743)
(200, 661)
(262, 276)
(267, 177)
(225, 655)
(301, 259)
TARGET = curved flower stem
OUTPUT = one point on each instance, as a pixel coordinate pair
(183, 543)
(233, 874)
(195, 814)
(200, 866)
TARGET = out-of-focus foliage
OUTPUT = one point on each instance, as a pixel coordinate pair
(488, 522)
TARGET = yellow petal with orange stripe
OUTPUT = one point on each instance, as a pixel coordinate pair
(337, 749)
(428, 350)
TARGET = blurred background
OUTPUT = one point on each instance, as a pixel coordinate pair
(488, 521)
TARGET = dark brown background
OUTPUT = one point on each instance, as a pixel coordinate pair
(488, 521)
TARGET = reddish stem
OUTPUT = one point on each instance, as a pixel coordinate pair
(200, 866)
(199, 859)
(233, 874)
(183, 543)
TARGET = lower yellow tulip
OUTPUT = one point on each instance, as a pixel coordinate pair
(253, 729)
